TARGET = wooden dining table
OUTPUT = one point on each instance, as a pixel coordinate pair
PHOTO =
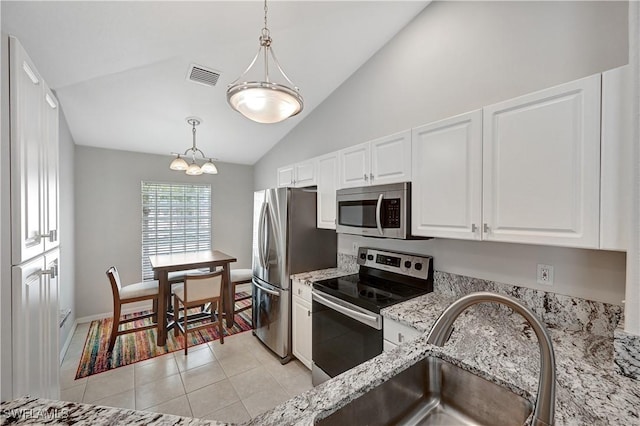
(164, 263)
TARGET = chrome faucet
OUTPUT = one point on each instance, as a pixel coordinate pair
(545, 400)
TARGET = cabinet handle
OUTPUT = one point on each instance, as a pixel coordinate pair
(366, 177)
(52, 236)
(486, 228)
(53, 272)
(371, 176)
(299, 291)
(308, 313)
(400, 337)
(474, 228)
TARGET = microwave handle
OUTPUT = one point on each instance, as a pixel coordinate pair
(378, 214)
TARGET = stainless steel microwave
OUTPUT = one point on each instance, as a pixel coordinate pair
(382, 211)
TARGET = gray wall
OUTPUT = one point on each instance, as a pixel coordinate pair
(455, 57)
(67, 226)
(108, 217)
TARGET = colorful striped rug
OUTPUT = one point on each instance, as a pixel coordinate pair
(141, 345)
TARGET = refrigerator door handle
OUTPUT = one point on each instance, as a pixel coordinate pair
(266, 290)
(261, 242)
(378, 214)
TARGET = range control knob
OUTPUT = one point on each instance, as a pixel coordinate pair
(418, 266)
(369, 257)
(407, 264)
(363, 256)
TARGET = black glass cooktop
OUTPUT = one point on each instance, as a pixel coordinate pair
(368, 292)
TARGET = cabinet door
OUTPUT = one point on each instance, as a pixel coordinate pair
(327, 176)
(616, 176)
(50, 169)
(35, 327)
(305, 174)
(355, 165)
(26, 155)
(541, 167)
(447, 178)
(285, 176)
(391, 159)
(301, 330)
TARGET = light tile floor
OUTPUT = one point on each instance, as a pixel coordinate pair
(231, 383)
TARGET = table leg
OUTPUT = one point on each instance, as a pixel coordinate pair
(229, 301)
(162, 308)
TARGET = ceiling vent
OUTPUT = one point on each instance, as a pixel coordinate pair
(202, 75)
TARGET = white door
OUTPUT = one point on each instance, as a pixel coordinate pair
(355, 165)
(285, 176)
(327, 177)
(391, 159)
(447, 178)
(27, 143)
(50, 195)
(301, 330)
(541, 166)
(35, 327)
(305, 174)
(617, 147)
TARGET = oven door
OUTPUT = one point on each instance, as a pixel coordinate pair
(343, 336)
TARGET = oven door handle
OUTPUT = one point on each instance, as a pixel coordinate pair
(378, 214)
(370, 320)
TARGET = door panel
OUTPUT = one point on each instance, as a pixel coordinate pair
(270, 315)
(355, 166)
(391, 159)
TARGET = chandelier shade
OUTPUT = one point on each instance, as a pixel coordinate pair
(265, 101)
(193, 169)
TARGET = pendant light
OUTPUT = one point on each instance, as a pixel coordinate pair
(265, 101)
(193, 169)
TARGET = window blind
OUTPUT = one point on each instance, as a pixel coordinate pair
(176, 218)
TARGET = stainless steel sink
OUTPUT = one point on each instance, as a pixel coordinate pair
(434, 392)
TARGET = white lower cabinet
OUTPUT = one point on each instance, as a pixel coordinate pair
(396, 333)
(301, 322)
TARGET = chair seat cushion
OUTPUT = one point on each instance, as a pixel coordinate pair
(241, 275)
(145, 288)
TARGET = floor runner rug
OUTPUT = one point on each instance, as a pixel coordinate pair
(141, 345)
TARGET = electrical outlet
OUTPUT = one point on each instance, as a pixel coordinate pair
(354, 248)
(545, 274)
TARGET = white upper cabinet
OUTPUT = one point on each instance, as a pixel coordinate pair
(447, 178)
(34, 157)
(327, 179)
(541, 167)
(355, 165)
(615, 176)
(391, 159)
(297, 175)
(378, 162)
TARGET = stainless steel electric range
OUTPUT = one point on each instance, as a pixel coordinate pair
(346, 320)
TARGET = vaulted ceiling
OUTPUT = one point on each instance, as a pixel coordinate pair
(119, 68)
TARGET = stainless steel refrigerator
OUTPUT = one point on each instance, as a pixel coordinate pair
(285, 242)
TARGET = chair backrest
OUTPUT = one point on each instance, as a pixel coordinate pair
(202, 286)
(114, 279)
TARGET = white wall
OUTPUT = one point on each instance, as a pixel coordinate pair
(456, 57)
(108, 217)
(67, 225)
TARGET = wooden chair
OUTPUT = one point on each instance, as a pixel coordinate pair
(198, 290)
(240, 276)
(146, 290)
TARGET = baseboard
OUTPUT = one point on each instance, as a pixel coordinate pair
(130, 310)
(67, 342)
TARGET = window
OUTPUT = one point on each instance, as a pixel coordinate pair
(176, 218)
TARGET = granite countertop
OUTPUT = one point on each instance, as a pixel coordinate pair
(323, 274)
(494, 343)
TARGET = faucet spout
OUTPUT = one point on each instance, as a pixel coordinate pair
(545, 400)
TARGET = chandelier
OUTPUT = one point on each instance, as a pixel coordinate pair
(193, 168)
(265, 101)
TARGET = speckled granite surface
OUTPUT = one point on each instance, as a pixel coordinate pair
(627, 354)
(36, 411)
(322, 274)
